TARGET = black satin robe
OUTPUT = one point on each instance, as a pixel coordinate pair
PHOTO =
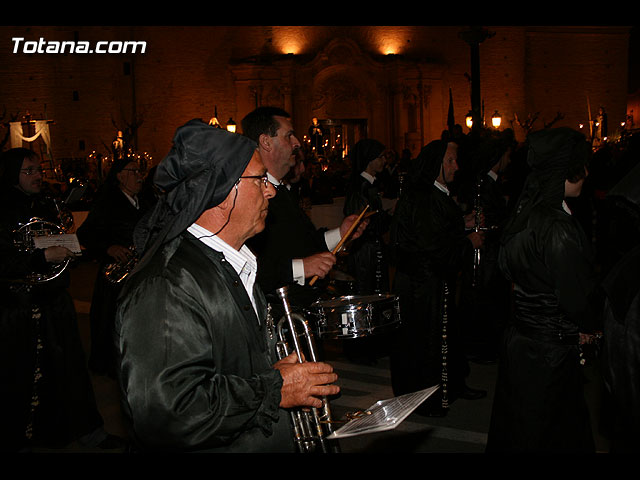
(621, 353)
(428, 235)
(539, 402)
(195, 361)
(368, 257)
(39, 335)
(111, 221)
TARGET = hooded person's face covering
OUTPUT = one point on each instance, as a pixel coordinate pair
(364, 152)
(554, 154)
(428, 164)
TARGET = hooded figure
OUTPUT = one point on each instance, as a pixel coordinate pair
(197, 174)
(107, 236)
(194, 362)
(539, 403)
(621, 352)
(367, 260)
(46, 395)
(430, 246)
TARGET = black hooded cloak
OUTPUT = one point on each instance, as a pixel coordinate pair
(111, 221)
(430, 247)
(621, 353)
(195, 362)
(46, 395)
(367, 260)
(539, 402)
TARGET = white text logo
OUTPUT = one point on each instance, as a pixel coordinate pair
(52, 46)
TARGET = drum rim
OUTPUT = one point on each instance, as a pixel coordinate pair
(345, 300)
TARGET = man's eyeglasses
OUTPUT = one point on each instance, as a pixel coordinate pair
(31, 170)
(264, 178)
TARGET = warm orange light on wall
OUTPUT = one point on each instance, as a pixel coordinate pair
(289, 39)
(391, 40)
(290, 48)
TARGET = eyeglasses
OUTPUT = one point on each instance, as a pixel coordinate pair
(264, 178)
(31, 170)
(134, 170)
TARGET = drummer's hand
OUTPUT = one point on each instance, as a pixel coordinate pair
(303, 383)
(346, 225)
(319, 264)
(57, 254)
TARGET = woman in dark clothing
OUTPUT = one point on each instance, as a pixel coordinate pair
(367, 260)
(107, 234)
(539, 402)
(431, 247)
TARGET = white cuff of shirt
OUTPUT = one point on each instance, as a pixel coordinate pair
(298, 270)
(332, 238)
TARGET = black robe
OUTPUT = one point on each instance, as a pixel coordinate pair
(428, 235)
(621, 353)
(195, 361)
(539, 402)
(41, 354)
(111, 221)
(367, 258)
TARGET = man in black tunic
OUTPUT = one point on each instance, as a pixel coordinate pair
(368, 260)
(431, 246)
(197, 361)
(47, 398)
(290, 250)
(107, 234)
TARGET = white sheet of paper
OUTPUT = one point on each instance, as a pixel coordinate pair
(385, 414)
(68, 240)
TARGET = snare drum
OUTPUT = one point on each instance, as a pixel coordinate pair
(356, 316)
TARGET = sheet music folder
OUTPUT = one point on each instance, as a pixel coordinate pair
(69, 240)
(384, 414)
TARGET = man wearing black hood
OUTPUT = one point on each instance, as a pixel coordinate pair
(431, 246)
(47, 398)
(539, 403)
(621, 319)
(197, 362)
(367, 260)
(107, 234)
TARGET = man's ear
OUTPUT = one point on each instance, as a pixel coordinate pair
(228, 202)
(264, 141)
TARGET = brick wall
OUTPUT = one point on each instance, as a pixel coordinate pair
(184, 73)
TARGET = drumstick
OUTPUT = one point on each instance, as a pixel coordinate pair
(343, 239)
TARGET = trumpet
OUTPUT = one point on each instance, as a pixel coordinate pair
(116, 272)
(311, 426)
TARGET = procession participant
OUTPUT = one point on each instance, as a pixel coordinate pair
(197, 362)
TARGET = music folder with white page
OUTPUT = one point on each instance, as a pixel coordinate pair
(68, 240)
(384, 414)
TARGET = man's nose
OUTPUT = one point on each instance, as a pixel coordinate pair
(270, 191)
